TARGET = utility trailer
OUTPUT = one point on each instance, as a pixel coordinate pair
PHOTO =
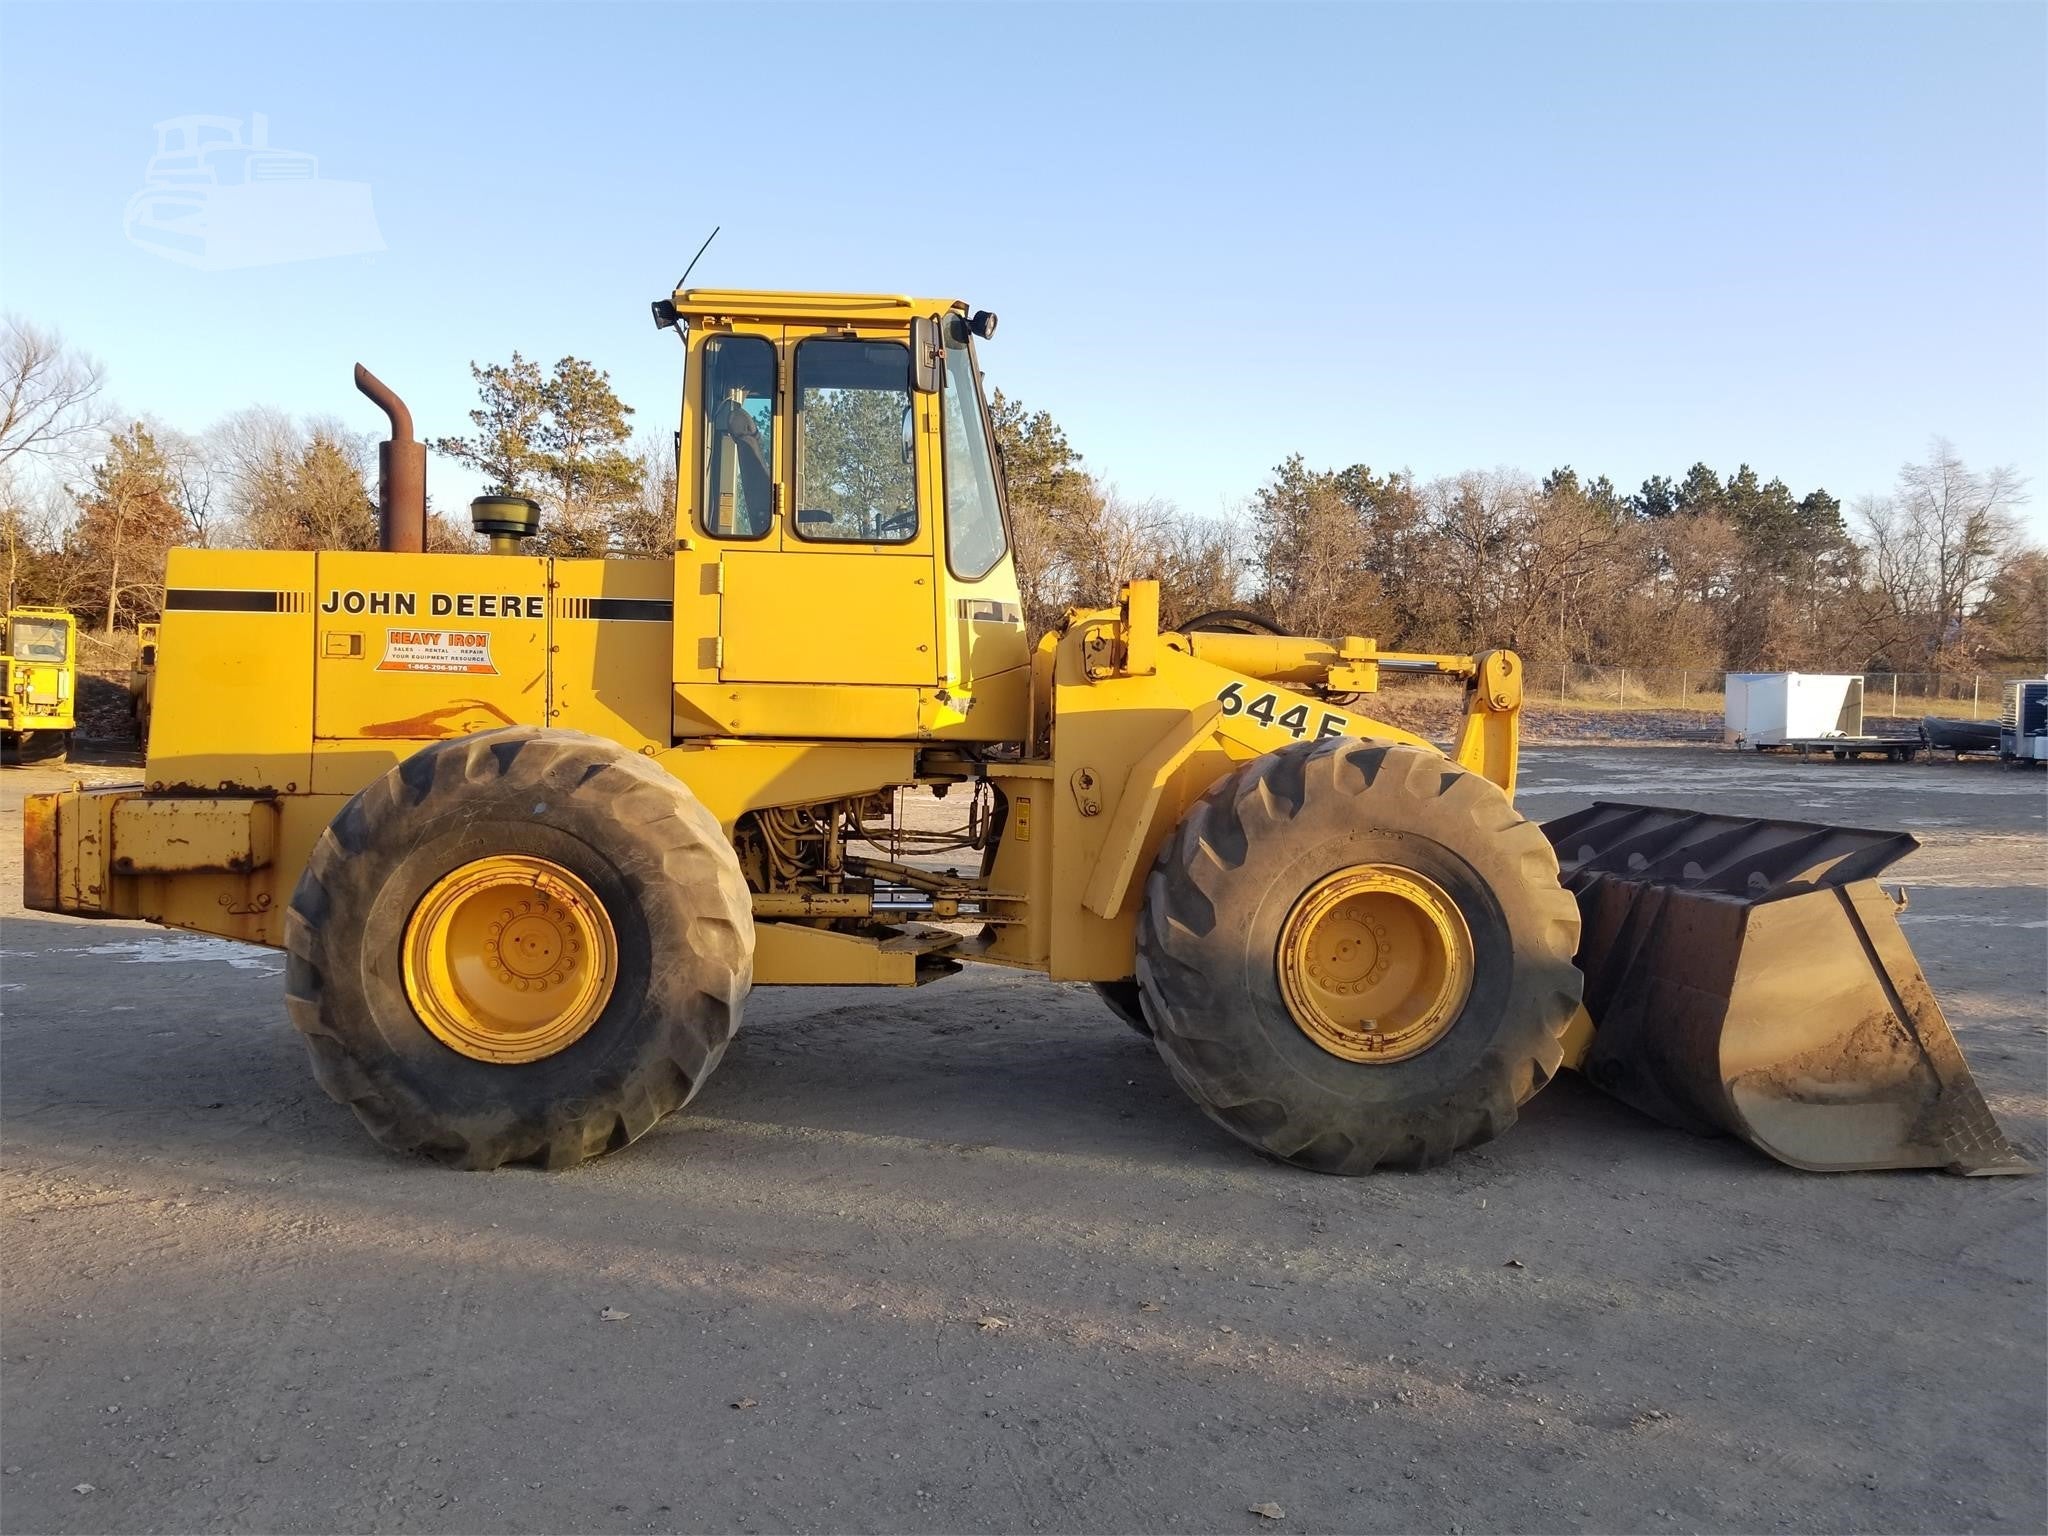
(2023, 724)
(1897, 749)
(1772, 709)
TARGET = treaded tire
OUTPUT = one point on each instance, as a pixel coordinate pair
(1127, 1002)
(1208, 939)
(665, 874)
(35, 746)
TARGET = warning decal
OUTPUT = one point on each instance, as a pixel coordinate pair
(437, 650)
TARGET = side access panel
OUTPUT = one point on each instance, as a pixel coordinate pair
(236, 710)
(416, 648)
(612, 646)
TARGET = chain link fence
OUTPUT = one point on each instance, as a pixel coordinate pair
(1971, 696)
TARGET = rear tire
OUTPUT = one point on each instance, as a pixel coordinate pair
(652, 857)
(1209, 955)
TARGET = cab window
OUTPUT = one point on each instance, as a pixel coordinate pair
(739, 437)
(38, 640)
(856, 453)
(974, 517)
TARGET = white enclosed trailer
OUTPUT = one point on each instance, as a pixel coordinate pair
(1776, 709)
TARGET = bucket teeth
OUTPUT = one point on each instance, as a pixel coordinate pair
(1749, 977)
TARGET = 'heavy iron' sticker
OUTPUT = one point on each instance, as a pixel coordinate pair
(437, 650)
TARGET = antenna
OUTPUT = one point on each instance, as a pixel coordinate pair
(700, 252)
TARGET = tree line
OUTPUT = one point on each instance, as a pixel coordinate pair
(1701, 572)
(1704, 570)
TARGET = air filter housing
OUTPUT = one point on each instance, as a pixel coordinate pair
(505, 520)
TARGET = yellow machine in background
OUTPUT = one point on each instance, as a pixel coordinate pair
(142, 680)
(38, 681)
(529, 829)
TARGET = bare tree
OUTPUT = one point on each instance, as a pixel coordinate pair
(1049, 525)
(646, 529)
(1315, 584)
(1936, 544)
(1201, 565)
(1474, 519)
(195, 475)
(32, 569)
(2014, 613)
(1562, 553)
(251, 454)
(49, 395)
(1120, 541)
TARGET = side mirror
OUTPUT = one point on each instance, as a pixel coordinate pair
(927, 355)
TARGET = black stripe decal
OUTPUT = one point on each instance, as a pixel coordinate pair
(648, 610)
(220, 600)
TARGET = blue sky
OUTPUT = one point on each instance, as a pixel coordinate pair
(1437, 237)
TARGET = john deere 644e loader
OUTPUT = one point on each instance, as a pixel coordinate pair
(529, 829)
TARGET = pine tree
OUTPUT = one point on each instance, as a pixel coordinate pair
(129, 516)
(560, 438)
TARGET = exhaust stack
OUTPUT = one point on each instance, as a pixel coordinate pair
(401, 473)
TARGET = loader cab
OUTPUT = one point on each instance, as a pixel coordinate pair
(38, 675)
(843, 563)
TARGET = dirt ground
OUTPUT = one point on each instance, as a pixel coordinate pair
(962, 1259)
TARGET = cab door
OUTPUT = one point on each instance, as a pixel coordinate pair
(841, 591)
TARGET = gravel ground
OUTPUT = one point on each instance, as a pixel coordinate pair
(962, 1259)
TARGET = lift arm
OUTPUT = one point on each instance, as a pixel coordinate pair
(1127, 640)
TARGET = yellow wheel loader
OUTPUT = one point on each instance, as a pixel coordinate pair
(38, 682)
(529, 829)
(142, 680)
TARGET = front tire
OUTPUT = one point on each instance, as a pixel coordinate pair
(1356, 955)
(36, 746)
(522, 945)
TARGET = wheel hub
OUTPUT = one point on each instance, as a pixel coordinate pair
(509, 959)
(1375, 963)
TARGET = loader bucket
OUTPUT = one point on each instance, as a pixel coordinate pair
(1750, 977)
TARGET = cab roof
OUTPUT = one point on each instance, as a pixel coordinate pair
(780, 304)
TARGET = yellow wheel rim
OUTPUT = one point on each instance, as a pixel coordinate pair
(509, 959)
(1375, 963)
